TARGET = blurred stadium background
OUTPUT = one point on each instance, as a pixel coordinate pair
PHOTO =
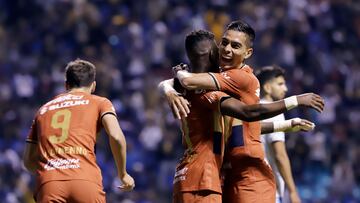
(134, 44)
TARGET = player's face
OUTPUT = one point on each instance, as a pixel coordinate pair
(234, 49)
(278, 88)
(200, 56)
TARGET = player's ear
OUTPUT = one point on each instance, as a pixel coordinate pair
(267, 88)
(249, 52)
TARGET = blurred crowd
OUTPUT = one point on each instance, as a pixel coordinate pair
(135, 43)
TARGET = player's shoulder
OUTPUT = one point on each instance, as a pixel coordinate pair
(98, 98)
(247, 68)
(239, 71)
(44, 107)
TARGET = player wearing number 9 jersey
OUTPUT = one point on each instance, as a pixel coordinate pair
(60, 147)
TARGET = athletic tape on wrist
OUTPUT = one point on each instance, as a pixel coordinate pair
(280, 126)
(291, 102)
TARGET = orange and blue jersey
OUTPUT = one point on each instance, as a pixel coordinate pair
(65, 131)
(243, 147)
(199, 168)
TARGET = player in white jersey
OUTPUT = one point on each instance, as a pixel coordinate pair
(273, 88)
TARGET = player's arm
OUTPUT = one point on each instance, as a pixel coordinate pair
(235, 108)
(229, 106)
(118, 148)
(31, 153)
(291, 125)
(30, 156)
(283, 164)
(178, 104)
(192, 81)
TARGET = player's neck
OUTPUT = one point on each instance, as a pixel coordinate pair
(80, 89)
(241, 65)
(268, 98)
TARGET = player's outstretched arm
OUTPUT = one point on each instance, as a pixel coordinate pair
(118, 148)
(235, 108)
(291, 125)
(30, 157)
(178, 104)
(192, 81)
(238, 109)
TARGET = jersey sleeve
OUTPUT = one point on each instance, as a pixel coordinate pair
(212, 100)
(32, 136)
(231, 81)
(106, 107)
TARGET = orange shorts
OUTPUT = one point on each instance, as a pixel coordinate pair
(256, 192)
(204, 196)
(70, 191)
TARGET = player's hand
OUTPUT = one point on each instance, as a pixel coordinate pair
(179, 67)
(298, 124)
(311, 100)
(178, 104)
(294, 197)
(128, 183)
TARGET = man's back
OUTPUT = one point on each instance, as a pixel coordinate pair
(60, 147)
(203, 141)
(65, 129)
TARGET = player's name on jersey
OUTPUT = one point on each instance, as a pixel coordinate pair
(62, 164)
(64, 98)
(66, 150)
(63, 105)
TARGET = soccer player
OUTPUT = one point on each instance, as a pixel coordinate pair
(197, 175)
(273, 88)
(249, 178)
(60, 148)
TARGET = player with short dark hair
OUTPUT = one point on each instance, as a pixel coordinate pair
(273, 88)
(79, 73)
(268, 73)
(204, 127)
(60, 147)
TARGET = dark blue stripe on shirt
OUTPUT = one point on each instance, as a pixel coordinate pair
(236, 138)
(217, 142)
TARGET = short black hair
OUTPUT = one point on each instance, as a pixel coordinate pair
(268, 73)
(244, 27)
(79, 73)
(196, 36)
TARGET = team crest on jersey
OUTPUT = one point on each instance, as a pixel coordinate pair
(225, 75)
(180, 175)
